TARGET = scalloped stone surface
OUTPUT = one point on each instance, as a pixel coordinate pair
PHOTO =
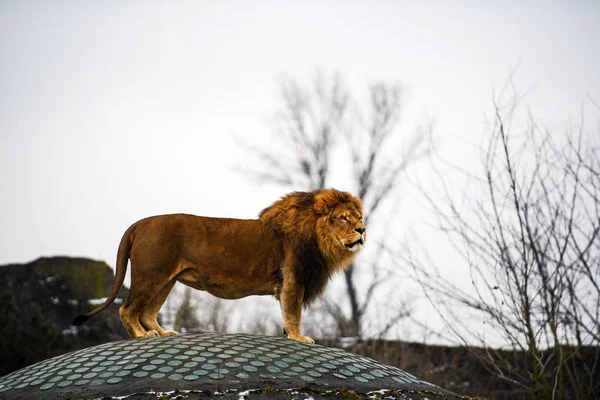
(211, 364)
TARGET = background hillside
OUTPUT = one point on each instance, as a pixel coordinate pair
(38, 301)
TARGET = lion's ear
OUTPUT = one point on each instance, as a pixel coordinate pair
(327, 200)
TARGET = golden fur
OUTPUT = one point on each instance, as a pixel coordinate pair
(290, 252)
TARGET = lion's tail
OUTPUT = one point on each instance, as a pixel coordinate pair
(121, 270)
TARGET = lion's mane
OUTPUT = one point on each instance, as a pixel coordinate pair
(302, 218)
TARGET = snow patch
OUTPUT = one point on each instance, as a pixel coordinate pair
(71, 331)
(378, 394)
(152, 392)
(348, 341)
(97, 302)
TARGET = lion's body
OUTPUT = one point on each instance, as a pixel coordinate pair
(229, 258)
(290, 252)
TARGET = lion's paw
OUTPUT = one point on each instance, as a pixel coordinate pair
(302, 338)
(170, 333)
(152, 333)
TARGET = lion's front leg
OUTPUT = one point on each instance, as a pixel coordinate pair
(291, 297)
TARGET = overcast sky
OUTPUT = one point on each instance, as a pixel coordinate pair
(114, 111)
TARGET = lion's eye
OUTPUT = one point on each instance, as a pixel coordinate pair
(343, 218)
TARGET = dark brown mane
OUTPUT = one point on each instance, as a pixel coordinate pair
(311, 271)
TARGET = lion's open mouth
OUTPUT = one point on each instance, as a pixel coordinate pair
(351, 245)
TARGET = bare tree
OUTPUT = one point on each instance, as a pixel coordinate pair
(216, 314)
(188, 310)
(185, 314)
(314, 122)
(528, 228)
(306, 126)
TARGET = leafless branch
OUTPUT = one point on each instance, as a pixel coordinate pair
(532, 245)
(310, 123)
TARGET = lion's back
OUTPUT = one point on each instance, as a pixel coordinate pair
(202, 240)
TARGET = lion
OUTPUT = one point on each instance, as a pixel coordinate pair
(291, 251)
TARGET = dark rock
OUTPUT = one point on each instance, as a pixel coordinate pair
(38, 301)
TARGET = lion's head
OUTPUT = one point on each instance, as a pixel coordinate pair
(331, 218)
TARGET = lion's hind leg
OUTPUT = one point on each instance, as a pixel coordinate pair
(130, 313)
(149, 315)
(141, 297)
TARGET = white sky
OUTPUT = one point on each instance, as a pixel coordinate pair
(112, 112)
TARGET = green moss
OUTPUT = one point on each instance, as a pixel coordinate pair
(269, 390)
(312, 389)
(348, 394)
(87, 279)
(440, 395)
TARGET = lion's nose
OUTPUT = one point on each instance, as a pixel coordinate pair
(360, 230)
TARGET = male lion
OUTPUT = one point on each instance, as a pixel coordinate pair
(290, 251)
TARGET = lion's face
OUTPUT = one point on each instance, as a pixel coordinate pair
(335, 217)
(347, 227)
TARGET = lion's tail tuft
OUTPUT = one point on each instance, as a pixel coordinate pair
(80, 319)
